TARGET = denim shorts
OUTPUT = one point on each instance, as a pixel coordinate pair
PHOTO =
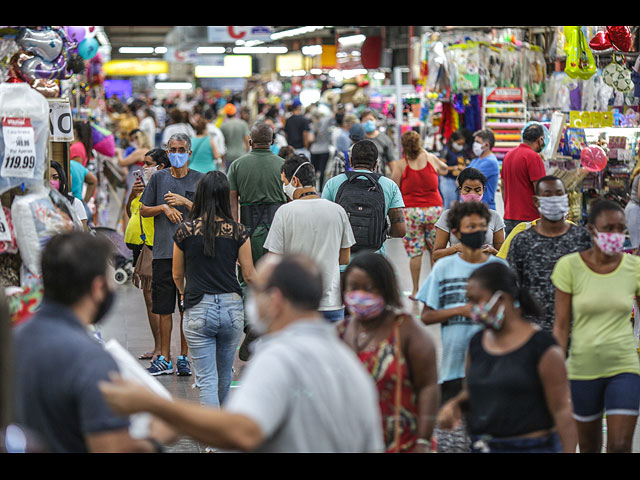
(617, 395)
(547, 444)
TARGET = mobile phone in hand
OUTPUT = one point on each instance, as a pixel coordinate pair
(138, 175)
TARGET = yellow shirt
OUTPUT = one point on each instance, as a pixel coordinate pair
(132, 233)
(521, 227)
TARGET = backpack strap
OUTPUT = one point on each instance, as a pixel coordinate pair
(347, 165)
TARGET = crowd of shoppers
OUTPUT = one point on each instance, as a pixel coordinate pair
(276, 231)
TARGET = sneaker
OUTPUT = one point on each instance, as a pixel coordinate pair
(160, 367)
(183, 368)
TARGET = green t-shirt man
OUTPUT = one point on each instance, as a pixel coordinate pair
(255, 177)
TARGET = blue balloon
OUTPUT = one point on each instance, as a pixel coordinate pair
(88, 48)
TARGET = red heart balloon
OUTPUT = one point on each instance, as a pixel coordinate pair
(620, 38)
(600, 41)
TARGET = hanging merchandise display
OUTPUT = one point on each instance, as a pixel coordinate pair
(618, 77)
(580, 61)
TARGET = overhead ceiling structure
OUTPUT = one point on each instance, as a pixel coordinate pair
(136, 36)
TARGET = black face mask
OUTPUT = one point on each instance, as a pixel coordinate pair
(105, 306)
(473, 240)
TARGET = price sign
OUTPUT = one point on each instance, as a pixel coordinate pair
(5, 233)
(19, 148)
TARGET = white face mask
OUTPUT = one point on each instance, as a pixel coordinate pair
(289, 189)
(457, 147)
(478, 149)
(554, 208)
(147, 172)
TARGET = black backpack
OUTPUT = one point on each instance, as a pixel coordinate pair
(363, 200)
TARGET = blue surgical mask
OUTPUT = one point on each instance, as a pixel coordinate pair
(178, 160)
(369, 126)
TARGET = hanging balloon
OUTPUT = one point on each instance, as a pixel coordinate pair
(88, 48)
(620, 38)
(600, 41)
(593, 158)
(76, 34)
(35, 67)
(48, 88)
(45, 44)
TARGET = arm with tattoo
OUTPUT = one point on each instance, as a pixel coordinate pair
(398, 227)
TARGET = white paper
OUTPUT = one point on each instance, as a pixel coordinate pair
(130, 369)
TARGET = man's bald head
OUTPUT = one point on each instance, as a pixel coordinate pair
(261, 134)
(297, 277)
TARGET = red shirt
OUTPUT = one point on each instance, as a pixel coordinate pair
(521, 167)
(419, 188)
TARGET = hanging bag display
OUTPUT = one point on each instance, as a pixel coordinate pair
(580, 61)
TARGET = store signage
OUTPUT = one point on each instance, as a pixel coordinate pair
(60, 121)
(505, 94)
(5, 233)
(130, 68)
(19, 148)
(579, 119)
(219, 34)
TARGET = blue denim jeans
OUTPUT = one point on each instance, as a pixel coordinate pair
(213, 329)
(333, 316)
(548, 444)
(449, 191)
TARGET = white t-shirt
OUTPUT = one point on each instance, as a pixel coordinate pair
(78, 206)
(317, 228)
(148, 126)
(218, 138)
(309, 393)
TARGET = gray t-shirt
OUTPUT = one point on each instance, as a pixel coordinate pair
(634, 190)
(161, 183)
(317, 228)
(495, 225)
(386, 149)
(309, 394)
(235, 130)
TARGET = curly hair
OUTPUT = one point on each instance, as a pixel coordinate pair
(459, 210)
(411, 144)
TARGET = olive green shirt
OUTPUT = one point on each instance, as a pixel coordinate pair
(256, 178)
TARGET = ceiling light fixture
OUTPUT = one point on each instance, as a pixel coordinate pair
(295, 31)
(136, 50)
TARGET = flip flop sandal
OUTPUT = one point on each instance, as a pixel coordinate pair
(146, 356)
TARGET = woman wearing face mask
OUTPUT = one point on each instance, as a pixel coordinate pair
(396, 351)
(140, 232)
(445, 303)
(516, 393)
(471, 183)
(453, 155)
(58, 181)
(386, 149)
(595, 291)
(207, 248)
(417, 176)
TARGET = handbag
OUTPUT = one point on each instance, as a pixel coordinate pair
(142, 272)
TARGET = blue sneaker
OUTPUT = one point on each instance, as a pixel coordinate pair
(183, 366)
(160, 367)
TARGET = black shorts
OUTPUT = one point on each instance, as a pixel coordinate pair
(163, 289)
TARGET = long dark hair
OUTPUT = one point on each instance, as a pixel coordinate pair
(86, 135)
(211, 200)
(498, 277)
(64, 182)
(381, 273)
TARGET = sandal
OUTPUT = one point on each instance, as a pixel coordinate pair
(146, 356)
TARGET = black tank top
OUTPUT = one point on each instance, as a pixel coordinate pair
(506, 396)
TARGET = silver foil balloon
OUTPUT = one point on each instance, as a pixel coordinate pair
(46, 44)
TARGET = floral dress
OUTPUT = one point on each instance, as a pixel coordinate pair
(384, 364)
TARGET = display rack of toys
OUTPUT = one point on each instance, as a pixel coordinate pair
(504, 111)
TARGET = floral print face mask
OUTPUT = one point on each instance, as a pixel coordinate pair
(610, 242)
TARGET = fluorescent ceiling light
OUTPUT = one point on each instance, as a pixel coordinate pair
(295, 31)
(312, 50)
(235, 66)
(315, 71)
(245, 50)
(211, 50)
(174, 86)
(351, 40)
(136, 49)
(160, 50)
(379, 76)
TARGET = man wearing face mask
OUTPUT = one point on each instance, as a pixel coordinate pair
(386, 149)
(445, 302)
(534, 252)
(315, 227)
(58, 363)
(522, 168)
(168, 198)
(487, 163)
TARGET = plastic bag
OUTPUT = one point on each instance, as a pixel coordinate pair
(21, 101)
(36, 219)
